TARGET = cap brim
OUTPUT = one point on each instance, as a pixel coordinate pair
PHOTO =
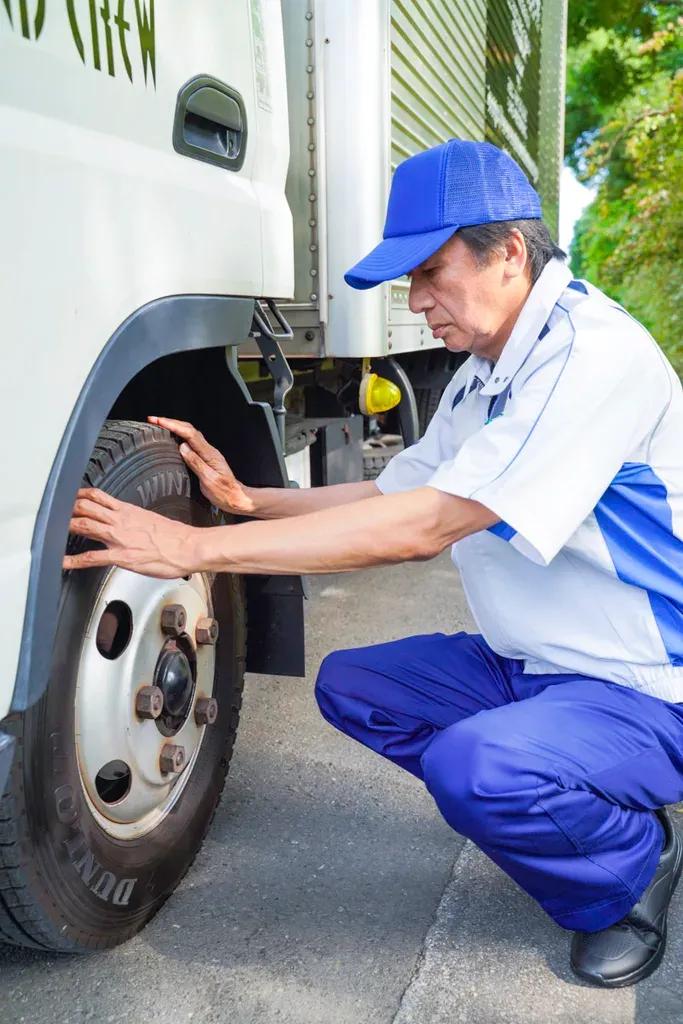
(395, 256)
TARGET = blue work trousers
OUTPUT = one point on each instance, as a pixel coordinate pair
(554, 777)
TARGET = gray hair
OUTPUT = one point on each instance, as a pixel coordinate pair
(483, 240)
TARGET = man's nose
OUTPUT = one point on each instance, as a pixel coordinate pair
(418, 296)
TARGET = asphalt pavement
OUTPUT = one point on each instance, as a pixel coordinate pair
(329, 890)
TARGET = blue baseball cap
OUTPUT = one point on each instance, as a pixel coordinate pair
(435, 193)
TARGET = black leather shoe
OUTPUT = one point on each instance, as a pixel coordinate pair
(633, 947)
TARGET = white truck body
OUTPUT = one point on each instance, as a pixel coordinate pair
(165, 165)
(100, 215)
(371, 83)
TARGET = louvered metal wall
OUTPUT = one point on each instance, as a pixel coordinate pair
(513, 86)
(438, 73)
(474, 69)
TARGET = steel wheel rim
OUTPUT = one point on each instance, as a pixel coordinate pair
(108, 729)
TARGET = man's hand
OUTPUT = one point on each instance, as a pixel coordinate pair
(217, 481)
(138, 540)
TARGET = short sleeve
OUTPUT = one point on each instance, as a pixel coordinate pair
(414, 466)
(543, 465)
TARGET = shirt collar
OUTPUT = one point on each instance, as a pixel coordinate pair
(478, 372)
(554, 278)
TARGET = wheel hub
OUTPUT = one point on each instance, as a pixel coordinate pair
(175, 678)
(113, 739)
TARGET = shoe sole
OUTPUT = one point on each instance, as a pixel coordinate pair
(651, 965)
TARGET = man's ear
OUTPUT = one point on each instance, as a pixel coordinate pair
(515, 254)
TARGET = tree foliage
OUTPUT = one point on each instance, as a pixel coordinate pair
(625, 136)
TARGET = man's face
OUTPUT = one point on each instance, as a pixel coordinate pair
(467, 306)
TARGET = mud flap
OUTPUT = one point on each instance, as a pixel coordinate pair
(275, 626)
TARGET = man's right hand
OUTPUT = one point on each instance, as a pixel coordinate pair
(216, 480)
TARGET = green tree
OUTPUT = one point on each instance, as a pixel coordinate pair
(625, 136)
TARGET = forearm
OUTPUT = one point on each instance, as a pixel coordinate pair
(410, 526)
(373, 532)
(282, 502)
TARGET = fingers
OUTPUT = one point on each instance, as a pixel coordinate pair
(179, 427)
(91, 559)
(93, 510)
(93, 529)
(203, 470)
(93, 515)
(99, 497)
(182, 429)
(194, 437)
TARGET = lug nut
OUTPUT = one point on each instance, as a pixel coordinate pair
(149, 702)
(206, 711)
(172, 758)
(173, 619)
(206, 631)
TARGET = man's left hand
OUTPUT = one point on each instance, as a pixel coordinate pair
(136, 539)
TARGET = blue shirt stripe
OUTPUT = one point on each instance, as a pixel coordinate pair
(635, 518)
(503, 530)
(459, 395)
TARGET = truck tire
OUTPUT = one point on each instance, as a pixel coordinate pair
(430, 373)
(427, 400)
(378, 451)
(88, 855)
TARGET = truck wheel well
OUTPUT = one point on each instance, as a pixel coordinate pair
(200, 387)
(204, 387)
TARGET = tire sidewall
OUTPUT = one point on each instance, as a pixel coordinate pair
(97, 889)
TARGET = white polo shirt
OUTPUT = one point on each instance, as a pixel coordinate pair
(575, 440)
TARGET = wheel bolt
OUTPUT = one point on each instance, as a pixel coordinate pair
(206, 631)
(149, 702)
(172, 758)
(173, 619)
(206, 711)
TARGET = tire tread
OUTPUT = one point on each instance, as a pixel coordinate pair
(22, 921)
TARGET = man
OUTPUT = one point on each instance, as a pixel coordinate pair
(554, 467)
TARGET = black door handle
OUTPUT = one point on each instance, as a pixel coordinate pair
(210, 123)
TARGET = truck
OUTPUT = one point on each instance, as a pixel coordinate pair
(182, 188)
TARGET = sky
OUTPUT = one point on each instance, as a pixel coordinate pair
(573, 198)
